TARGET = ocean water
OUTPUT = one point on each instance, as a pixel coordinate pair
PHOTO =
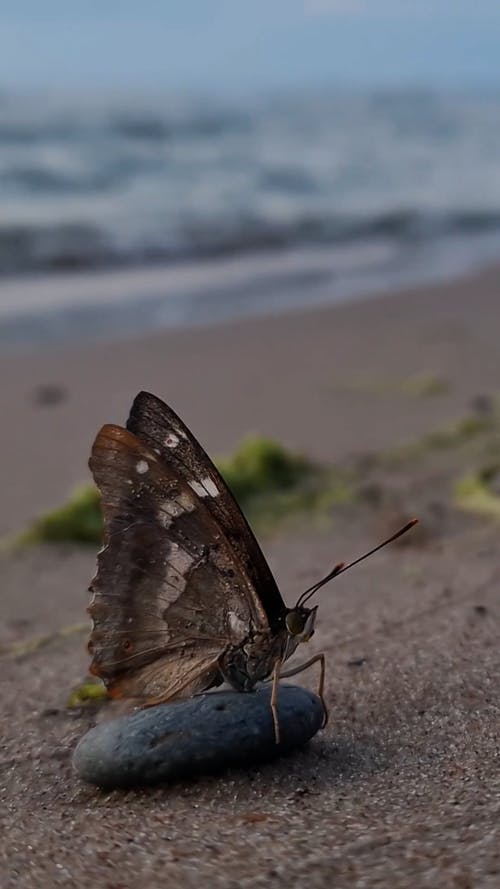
(371, 190)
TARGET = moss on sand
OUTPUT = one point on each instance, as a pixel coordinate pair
(476, 492)
(91, 691)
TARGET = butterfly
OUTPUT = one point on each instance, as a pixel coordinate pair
(183, 598)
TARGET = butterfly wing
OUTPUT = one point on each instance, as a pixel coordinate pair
(170, 594)
(158, 426)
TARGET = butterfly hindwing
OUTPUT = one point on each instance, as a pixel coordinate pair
(158, 426)
(169, 593)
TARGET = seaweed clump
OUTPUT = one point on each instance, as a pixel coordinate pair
(79, 520)
(90, 692)
(262, 466)
(480, 491)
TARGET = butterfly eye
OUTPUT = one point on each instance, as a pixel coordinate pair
(295, 623)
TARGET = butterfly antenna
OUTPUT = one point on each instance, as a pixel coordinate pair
(341, 567)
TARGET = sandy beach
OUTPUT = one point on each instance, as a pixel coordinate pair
(402, 788)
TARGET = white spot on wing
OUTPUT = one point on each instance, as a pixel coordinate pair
(171, 440)
(197, 488)
(170, 509)
(176, 569)
(237, 626)
(205, 488)
(211, 487)
(186, 502)
(141, 467)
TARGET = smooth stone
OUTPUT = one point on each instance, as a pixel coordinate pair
(203, 734)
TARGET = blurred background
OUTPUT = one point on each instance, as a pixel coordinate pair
(239, 158)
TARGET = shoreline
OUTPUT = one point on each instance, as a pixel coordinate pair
(79, 307)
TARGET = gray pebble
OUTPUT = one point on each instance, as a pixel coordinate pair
(203, 734)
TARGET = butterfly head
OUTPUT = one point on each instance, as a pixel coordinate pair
(300, 622)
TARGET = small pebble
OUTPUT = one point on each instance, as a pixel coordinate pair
(49, 394)
(357, 662)
(203, 734)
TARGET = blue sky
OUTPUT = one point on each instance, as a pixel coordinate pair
(228, 45)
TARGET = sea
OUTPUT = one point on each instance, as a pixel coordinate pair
(123, 213)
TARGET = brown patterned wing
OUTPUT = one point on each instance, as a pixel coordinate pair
(169, 595)
(159, 427)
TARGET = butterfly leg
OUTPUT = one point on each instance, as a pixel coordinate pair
(274, 698)
(321, 686)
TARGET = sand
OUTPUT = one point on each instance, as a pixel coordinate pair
(402, 788)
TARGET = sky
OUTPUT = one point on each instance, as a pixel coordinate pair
(228, 45)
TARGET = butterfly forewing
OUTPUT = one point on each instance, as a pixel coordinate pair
(159, 427)
(169, 594)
